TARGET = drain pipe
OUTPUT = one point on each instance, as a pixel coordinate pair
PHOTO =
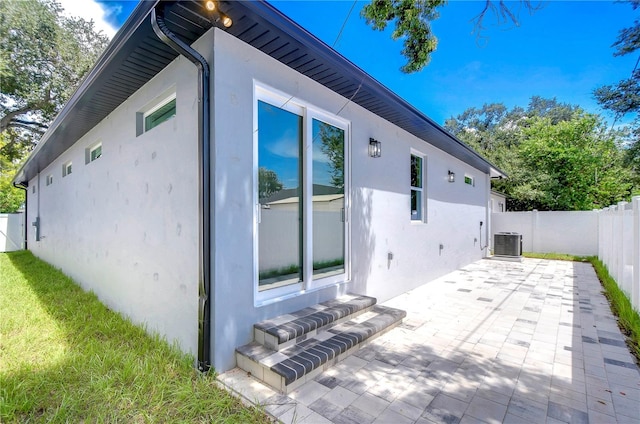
(204, 174)
(21, 186)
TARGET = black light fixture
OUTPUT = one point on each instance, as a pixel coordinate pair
(452, 177)
(375, 148)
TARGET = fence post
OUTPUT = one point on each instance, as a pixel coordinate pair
(606, 237)
(635, 284)
(534, 230)
(621, 248)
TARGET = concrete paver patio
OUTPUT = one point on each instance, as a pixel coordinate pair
(530, 342)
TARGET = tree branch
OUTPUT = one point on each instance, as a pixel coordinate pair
(6, 119)
(15, 124)
(34, 123)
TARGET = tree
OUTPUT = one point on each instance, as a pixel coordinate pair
(413, 19)
(557, 156)
(574, 164)
(268, 183)
(623, 98)
(44, 56)
(10, 198)
(332, 145)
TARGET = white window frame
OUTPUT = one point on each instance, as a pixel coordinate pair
(308, 112)
(92, 149)
(49, 180)
(160, 104)
(67, 168)
(422, 190)
(469, 180)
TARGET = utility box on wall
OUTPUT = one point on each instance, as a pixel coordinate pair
(507, 244)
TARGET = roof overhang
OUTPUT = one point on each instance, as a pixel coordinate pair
(135, 55)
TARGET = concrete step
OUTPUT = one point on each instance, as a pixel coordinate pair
(291, 367)
(286, 330)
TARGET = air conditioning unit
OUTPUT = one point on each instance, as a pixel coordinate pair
(507, 244)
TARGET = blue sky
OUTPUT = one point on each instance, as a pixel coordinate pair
(563, 50)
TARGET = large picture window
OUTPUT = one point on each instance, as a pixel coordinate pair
(300, 190)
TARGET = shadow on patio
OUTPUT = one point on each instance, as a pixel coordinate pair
(492, 342)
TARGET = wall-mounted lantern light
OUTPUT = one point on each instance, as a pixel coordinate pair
(452, 177)
(375, 148)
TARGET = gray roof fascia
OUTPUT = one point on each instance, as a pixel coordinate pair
(442, 139)
(35, 162)
(389, 105)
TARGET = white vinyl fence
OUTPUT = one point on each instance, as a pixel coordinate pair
(575, 233)
(613, 234)
(11, 232)
(619, 246)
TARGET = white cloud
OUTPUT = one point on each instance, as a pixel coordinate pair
(287, 146)
(89, 9)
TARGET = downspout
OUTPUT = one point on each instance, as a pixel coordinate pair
(21, 186)
(204, 174)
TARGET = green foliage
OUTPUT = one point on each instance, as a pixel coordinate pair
(628, 318)
(413, 19)
(11, 198)
(66, 358)
(412, 25)
(622, 98)
(555, 256)
(268, 183)
(577, 163)
(332, 145)
(45, 55)
(629, 38)
(557, 157)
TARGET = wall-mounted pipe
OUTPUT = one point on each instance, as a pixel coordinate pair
(205, 296)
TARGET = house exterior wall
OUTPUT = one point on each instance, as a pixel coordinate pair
(380, 199)
(498, 202)
(125, 226)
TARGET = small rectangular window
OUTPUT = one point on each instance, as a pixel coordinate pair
(469, 180)
(66, 169)
(49, 180)
(92, 153)
(163, 112)
(33, 189)
(417, 200)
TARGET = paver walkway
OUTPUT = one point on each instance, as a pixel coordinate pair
(532, 342)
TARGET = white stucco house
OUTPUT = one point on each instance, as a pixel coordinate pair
(155, 186)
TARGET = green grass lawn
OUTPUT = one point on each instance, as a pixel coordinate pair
(65, 357)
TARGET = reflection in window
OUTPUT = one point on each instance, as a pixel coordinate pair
(161, 114)
(328, 199)
(279, 196)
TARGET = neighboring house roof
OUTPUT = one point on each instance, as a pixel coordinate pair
(497, 193)
(294, 192)
(315, 198)
(135, 55)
